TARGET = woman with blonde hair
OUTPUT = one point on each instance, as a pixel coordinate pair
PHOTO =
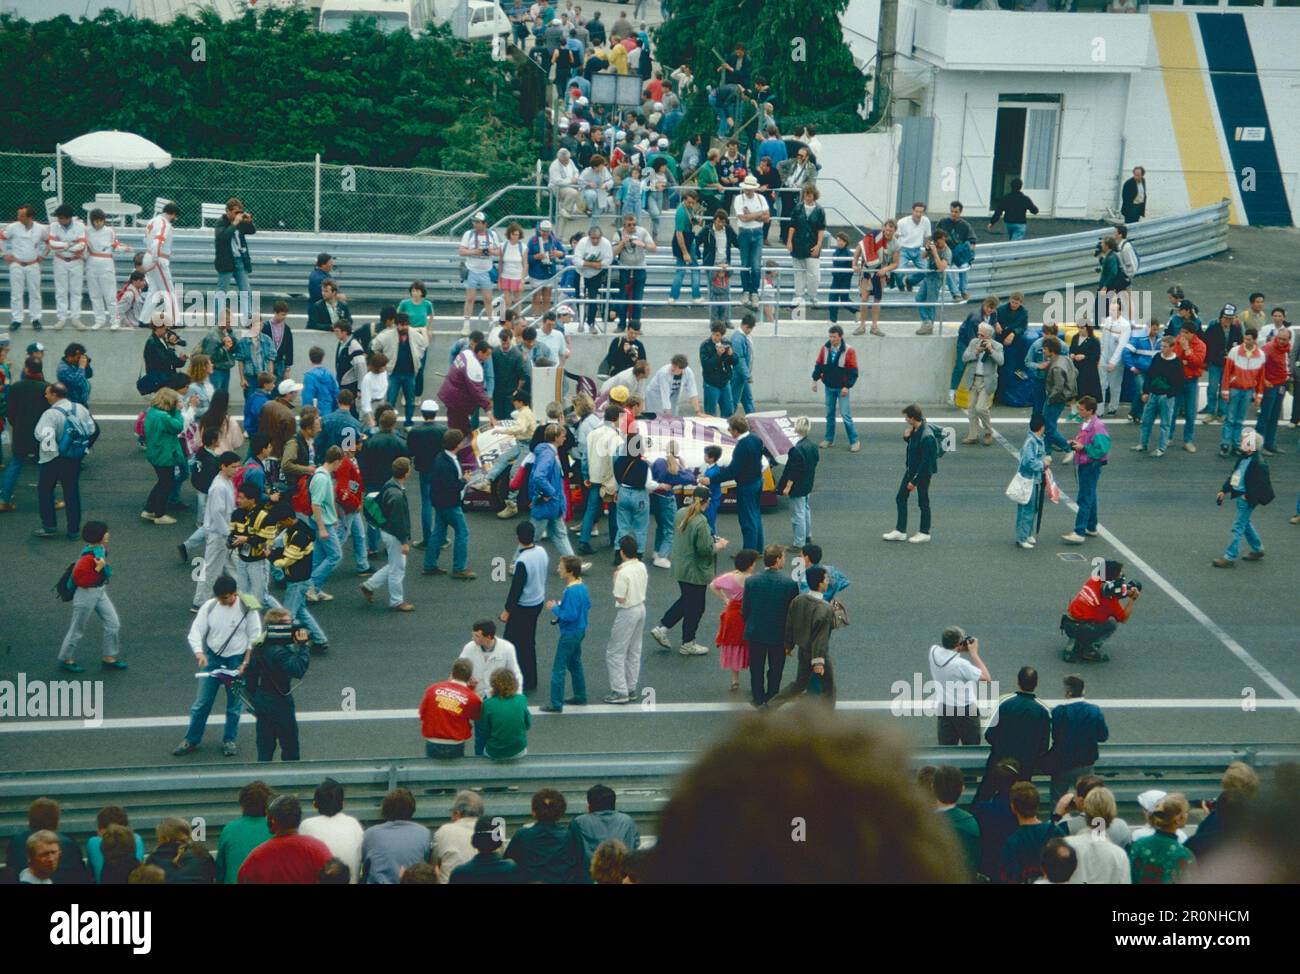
(668, 473)
(182, 860)
(1161, 857)
(199, 370)
(733, 651)
(163, 424)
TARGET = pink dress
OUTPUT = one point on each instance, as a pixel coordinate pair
(733, 651)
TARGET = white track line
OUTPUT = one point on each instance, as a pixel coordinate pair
(340, 716)
(877, 420)
(1191, 608)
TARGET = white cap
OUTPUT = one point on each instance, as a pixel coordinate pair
(663, 143)
(659, 106)
(544, 225)
(564, 309)
(1151, 799)
(582, 100)
(620, 135)
(429, 407)
(288, 386)
(480, 217)
(584, 126)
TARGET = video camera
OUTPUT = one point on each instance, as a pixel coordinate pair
(1120, 588)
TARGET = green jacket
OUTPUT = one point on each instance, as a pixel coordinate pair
(505, 725)
(238, 839)
(223, 359)
(692, 549)
(162, 445)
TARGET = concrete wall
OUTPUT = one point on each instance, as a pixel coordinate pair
(866, 163)
(894, 369)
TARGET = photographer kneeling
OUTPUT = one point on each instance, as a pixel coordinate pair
(1094, 614)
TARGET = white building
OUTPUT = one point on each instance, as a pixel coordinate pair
(1203, 97)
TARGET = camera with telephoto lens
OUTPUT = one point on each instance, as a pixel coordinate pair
(1120, 588)
(173, 338)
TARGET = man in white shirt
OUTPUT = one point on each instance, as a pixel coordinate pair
(488, 653)
(603, 445)
(553, 341)
(593, 255)
(562, 180)
(67, 242)
(913, 232)
(1101, 861)
(478, 247)
(216, 528)
(220, 638)
(956, 667)
(341, 833)
(26, 243)
(750, 210)
(1115, 333)
(452, 845)
(634, 379)
(157, 266)
(623, 652)
(669, 386)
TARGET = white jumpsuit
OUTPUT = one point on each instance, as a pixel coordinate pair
(101, 280)
(68, 245)
(157, 270)
(1114, 336)
(27, 245)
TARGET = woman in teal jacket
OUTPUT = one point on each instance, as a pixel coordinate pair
(163, 424)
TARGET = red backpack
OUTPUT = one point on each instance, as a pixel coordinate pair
(302, 497)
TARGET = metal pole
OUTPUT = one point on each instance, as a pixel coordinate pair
(58, 171)
(886, 47)
(316, 214)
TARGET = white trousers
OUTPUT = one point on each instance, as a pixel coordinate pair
(101, 282)
(807, 271)
(623, 654)
(161, 295)
(69, 276)
(25, 281)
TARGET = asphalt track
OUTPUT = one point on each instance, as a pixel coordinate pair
(1202, 640)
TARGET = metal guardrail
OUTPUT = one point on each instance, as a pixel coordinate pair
(380, 268)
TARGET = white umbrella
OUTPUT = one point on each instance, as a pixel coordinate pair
(113, 150)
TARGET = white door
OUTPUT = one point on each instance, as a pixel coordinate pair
(1078, 146)
(979, 129)
(1038, 163)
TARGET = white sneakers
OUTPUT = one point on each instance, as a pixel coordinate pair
(660, 635)
(1027, 545)
(693, 649)
(918, 538)
(661, 562)
(1073, 538)
(895, 536)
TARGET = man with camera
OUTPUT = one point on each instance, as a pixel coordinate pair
(233, 262)
(282, 656)
(1095, 613)
(955, 665)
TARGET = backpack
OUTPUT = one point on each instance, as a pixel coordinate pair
(939, 451)
(372, 509)
(65, 588)
(238, 479)
(302, 497)
(78, 431)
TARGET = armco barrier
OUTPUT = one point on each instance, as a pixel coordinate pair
(378, 267)
(893, 370)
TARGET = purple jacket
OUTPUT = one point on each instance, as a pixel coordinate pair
(1094, 439)
(461, 391)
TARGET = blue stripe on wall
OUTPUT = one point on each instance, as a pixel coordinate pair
(1240, 101)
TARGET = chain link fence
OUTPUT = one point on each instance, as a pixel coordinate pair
(297, 196)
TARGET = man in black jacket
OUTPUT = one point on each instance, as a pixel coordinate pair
(394, 524)
(282, 656)
(625, 349)
(1077, 728)
(922, 464)
(26, 404)
(446, 486)
(746, 469)
(1250, 486)
(1133, 196)
(764, 606)
(162, 363)
(233, 262)
(716, 362)
(797, 482)
(425, 443)
(1021, 728)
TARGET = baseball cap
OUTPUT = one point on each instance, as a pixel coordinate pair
(545, 225)
(1185, 305)
(480, 217)
(1229, 311)
(663, 143)
(618, 394)
(1150, 800)
(564, 309)
(288, 386)
(35, 347)
(428, 406)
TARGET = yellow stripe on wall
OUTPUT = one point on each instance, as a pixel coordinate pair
(1185, 79)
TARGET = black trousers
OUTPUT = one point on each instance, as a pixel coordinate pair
(804, 677)
(591, 291)
(521, 629)
(922, 498)
(65, 471)
(771, 656)
(277, 723)
(157, 501)
(688, 610)
(959, 729)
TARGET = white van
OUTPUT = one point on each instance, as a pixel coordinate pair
(485, 17)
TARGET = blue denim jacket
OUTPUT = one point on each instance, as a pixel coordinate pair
(1032, 455)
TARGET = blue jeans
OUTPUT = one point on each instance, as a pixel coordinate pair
(426, 508)
(1270, 412)
(508, 459)
(556, 531)
(591, 515)
(1017, 231)
(1234, 417)
(1242, 528)
(751, 260)
(325, 558)
(742, 392)
(747, 512)
(355, 526)
(568, 659)
(927, 292)
(1185, 403)
(717, 402)
(1051, 436)
(676, 290)
(1162, 406)
(963, 255)
(239, 278)
(1026, 513)
(295, 600)
(1086, 519)
(444, 752)
(633, 515)
(958, 369)
(393, 574)
(1214, 406)
(445, 518)
(844, 406)
(12, 469)
(664, 509)
(221, 380)
(800, 520)
(403, 383)
(207, 696)
(908, 257)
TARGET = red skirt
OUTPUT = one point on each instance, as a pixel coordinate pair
(731, 626)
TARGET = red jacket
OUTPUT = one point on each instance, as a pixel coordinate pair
(1277, 366)
(1090, 606)
(1243, 370)
(1194, 358)
(446, 710)
(347, 486)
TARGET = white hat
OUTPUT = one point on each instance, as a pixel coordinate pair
(564, 309)
(584, 126)
(620, 135)
(480, 217)
(288, 387)
(544, 225)
(663, 143)
(429, 407)
(582, 100)
(1150, 800)
(659, 106)
(749, 182)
